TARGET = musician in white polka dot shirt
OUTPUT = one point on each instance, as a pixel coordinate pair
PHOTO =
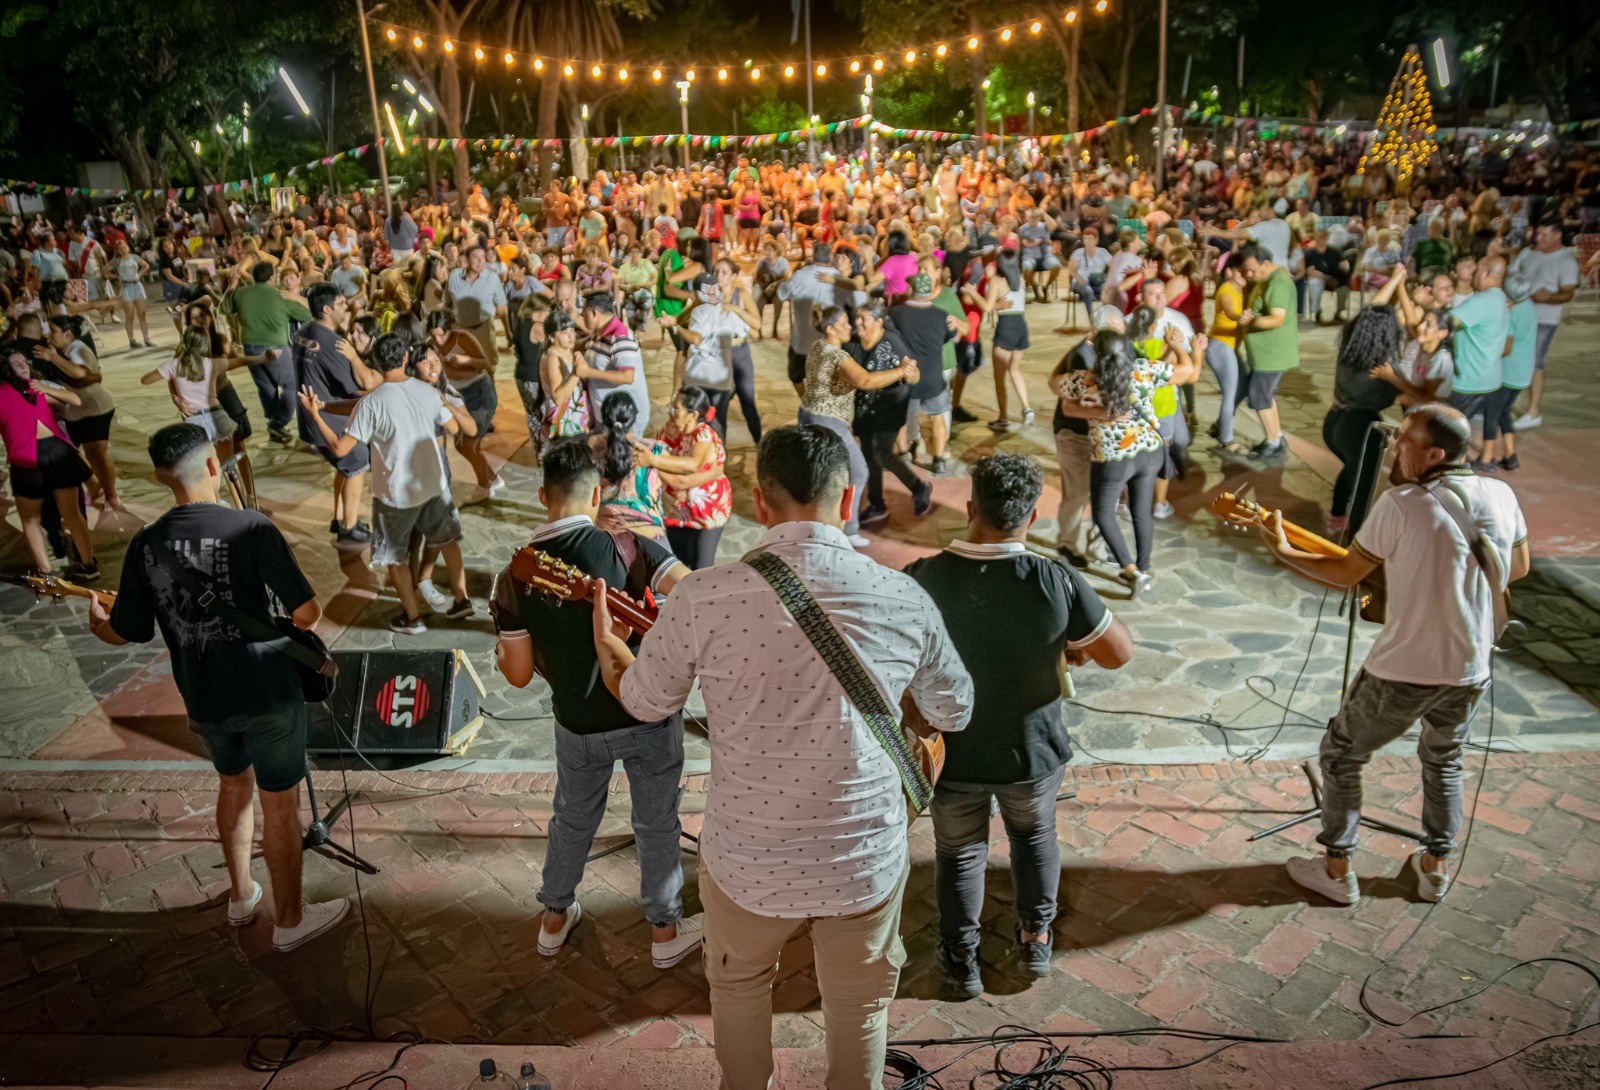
(805, 817)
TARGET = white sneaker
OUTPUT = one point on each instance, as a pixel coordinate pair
(1311, 871)
(437, 600)
(1527, 422)
(1162, 510)
(497, 486)
(242, 912)
(1431, 887)
(664, 955)
(314, 920)
(860, 541)
(551, 942)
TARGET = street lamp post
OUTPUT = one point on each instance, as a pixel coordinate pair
(1030, 117)
(377, 124)
(683, 107)
(872, 133)
(305, 109)
(1161, 103)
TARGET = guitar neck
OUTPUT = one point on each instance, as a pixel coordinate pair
(625, 609)
(1304, 539)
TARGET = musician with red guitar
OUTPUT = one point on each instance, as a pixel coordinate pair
(543, 631)
(1451, 542)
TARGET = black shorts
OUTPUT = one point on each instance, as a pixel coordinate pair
(678, 343)
(1261, 389)
(91, 429)
(273, 743)
(228, 398)
(58, 465)
(807, 216)
(358, 461)
(481, 400)
(797, 367)
(749, 224)
(1011, 332)
(1471, 405)
(969, 356)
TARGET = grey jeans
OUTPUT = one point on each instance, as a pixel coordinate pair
(652, 758)
(858, 461)
(1375, 712)
(961, 847)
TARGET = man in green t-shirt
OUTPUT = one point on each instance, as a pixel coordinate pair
(1434, 254)
(265, 317)
(1271, 341)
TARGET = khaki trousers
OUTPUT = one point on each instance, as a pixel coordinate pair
(1072, 522)
(858, 960)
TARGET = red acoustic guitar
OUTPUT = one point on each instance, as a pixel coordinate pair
(538, 569)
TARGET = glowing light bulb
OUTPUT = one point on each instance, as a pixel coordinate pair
(788, 71)
(538, 64)
(477, 53)
(596, 71)
(416, 41)
(390, 34)
(622, 75)
(1072, 15)
(755, 74)
(566, 70)
(941, 50)
(822, 70)
(972, 43)
(855, 66)
(722, 73)
(1005, 35)
(1101, 7)
(1035, 26)
(449, 46)
(510, 58)
(877, 64)
(689, 75)
(911, 56)
(655, 74)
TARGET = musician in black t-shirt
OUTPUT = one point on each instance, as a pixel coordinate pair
(1014, 616)
(243, 698)
(542, 634)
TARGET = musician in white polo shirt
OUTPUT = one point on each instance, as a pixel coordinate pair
(805, 818)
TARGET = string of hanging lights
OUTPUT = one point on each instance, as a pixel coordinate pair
(622, 71)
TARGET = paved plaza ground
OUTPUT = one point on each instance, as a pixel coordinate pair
(116, 968)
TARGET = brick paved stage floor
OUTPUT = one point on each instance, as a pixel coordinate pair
(117, 968)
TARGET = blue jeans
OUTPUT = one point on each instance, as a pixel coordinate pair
(275, 382)
(1224, 363)
(652, 758)
(961, 847)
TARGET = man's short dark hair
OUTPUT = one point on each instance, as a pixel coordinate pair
(822, 254)
(1006, 489)
(569, 466)
(1447, 430)
(319, 297)
(602, 301)
(390, 351)
(1251, 251)
(261, 272)
(805, 462)
(175, 444)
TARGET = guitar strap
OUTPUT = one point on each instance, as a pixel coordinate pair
(1460, 512)
(847, 670)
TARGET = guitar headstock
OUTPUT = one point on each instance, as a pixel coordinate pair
(49, 585)
(539, 569)
(1237, 511)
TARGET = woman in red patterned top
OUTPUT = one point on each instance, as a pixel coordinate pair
(699, 496)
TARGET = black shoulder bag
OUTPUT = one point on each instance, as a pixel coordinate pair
(312, 662)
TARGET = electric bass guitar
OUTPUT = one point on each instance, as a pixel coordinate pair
(56, 588)
(1241, 513)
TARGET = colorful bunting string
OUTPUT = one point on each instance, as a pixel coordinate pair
(1266, 128)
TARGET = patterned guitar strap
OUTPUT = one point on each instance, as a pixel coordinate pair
(847, 670)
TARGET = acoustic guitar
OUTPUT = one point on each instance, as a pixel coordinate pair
(538, 569)
(56, 588)
(558, 579)
(1242, 513)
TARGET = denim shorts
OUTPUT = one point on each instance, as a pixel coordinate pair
(274, 744)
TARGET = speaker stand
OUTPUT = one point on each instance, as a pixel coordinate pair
(1316, 812)
(317, 838)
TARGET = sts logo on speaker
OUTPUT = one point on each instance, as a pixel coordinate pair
(403, 701)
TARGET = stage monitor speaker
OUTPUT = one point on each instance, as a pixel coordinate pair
(399, 702)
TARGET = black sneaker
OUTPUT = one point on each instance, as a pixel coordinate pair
(1510, 463)
(1077, 560)
(873, 512)
(922, 500)
(962, 416)
(334, 526)
(459, 611)
(84, 573)
(408, 626)
(965, 977)
(1034, 957)
(279, 434)
(1488, 469)
(359, 534)
(940, 466)
(1266, 449)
